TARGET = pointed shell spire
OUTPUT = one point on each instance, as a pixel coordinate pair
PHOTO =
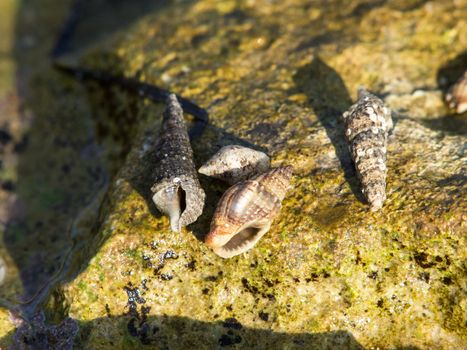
(235, 163)
(246, 210)
(176, 190)
(367, 124)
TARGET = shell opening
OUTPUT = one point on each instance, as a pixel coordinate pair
(242, 241)
(172, 202)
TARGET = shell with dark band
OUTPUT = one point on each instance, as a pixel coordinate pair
(176, 190)
(246, 210)
(367, 124)
(235, 163)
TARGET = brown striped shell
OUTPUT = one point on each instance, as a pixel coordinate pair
(176, 190)
(367, 124)
(246, 210)
(457, 95)
(235, 163)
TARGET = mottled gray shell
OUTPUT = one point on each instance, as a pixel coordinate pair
(177, 191)
(457, 95)
(367, 124)
(235, 163)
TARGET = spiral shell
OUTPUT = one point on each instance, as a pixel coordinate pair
(367, 124)
(457, 95)
(246, 210)
(177, 191)
(235, 163)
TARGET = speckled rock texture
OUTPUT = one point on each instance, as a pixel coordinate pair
(330, 274)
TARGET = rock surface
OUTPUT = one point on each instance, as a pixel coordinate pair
(329, 274)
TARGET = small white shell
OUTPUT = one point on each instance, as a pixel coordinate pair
(235, 163)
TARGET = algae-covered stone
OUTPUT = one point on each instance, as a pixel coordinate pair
(389, 279)
(329, 274)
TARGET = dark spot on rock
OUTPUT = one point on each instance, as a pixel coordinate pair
(447, 281)
(264, 316)
(386, 269)
(299, 341)
(296, 279)
(211, 278)
(131, 326)
(249, 287)
(232, 322)
(66, 168)
(107, 310)
(358, 259)
(134, 298)
(191, 265)
(166, 276)
(422, 260)
(143, 284)
(254, 264)
(5, 137)
(170, 254)
(424, 276)
(448, 262)
(380, 302)
(205, 291)
(326, 274)
(373, 275)
(226, 340)
(229, 307)
(8, 186)
(438, 258)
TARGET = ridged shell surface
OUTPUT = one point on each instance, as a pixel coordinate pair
(177, 191)
(367, 124)
(457, 95)
(246, 210)
(235, 163)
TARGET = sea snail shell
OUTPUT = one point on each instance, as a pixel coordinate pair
(235, 163)
(246, 210)
(367, 124)
(457, 95)
(176, 190)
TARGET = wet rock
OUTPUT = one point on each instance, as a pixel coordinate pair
(329, 274)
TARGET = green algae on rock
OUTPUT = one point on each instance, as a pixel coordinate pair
(392, 278)
(329, 274)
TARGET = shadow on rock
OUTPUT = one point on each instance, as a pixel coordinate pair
(62, 165)
(329, 99)
(174, 332)
(451, 71)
